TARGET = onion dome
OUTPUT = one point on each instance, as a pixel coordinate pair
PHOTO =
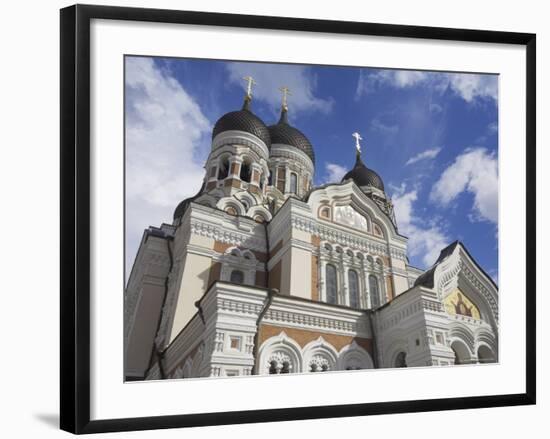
(243, 120)
(286, 134)
(363, 176)
(182, 206)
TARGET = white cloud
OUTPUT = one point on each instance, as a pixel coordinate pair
(468, 86)
(377, 125)
(425, 240)
(165, 134)
(424, 155)
(271, 77)
(334, 173)
(474, 171)
(435, 108)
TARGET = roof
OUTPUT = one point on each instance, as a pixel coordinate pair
(182, 206)
(363, 176)
(426, 279)
(243, 120)
(286, 134)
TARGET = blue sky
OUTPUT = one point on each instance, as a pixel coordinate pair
(433, 138)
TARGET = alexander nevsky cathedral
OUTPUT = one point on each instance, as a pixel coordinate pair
(261, 272)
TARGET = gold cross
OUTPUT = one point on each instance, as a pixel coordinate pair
(251, 82)
(286, 94)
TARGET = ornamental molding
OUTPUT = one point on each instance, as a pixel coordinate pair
(236, 138)
(215, 231)
(280, 151)
(320, 323)
(238, 307)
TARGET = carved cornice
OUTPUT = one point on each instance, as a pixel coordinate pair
(214, 231)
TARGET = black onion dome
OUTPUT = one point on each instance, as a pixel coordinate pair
(243, 120)
(363, 176)
(286, 134)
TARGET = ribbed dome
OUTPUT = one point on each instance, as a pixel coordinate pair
(285, 134)
(363, 176)
(243, 120)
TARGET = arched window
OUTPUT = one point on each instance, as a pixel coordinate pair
(270, 178)
(223, 168)
(293, 183)
(353, 284)
(332, 286)
(237, 277)
(401, 360)
(246, 172)
(281, 179)
(374, 291)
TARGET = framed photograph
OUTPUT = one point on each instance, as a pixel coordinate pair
(272, 218)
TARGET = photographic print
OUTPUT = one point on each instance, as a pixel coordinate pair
(288, 218)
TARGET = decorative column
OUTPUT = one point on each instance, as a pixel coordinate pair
(322, 269)
(235, 167)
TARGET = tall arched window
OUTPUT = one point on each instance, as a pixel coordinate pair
(332, 286)
(374, 291)
(270, 178)
(237, 277)
(293, 183)
(353, 284)
(223, 168)
(246, 172)
(281, 179)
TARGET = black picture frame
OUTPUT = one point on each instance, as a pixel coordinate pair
(75, 217)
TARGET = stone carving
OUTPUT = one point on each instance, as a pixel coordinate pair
(348, 216)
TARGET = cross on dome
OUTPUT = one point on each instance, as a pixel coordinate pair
(286, 93)
(250, 82)
(357, 137)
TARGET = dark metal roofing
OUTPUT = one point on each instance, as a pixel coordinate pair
(286, 134)
(243, 120)
(182, 206)
(363, 176)
(426, 279)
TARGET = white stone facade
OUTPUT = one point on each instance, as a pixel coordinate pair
(255, 279)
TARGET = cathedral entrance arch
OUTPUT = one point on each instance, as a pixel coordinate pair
(462, 353)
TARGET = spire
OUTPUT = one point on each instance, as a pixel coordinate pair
(284, 105)
(248, 96)
(357, 137)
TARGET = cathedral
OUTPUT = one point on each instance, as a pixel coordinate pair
(261, 272)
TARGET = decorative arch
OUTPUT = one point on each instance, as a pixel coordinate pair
(463, 355)
(259, 210)
(276, 351)
(484, 336)
(247, 200)
(485, 354)
(231, 202)
(319, 356)
(348, 193)
(353, 356)
(462, 333)
(392, 351)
